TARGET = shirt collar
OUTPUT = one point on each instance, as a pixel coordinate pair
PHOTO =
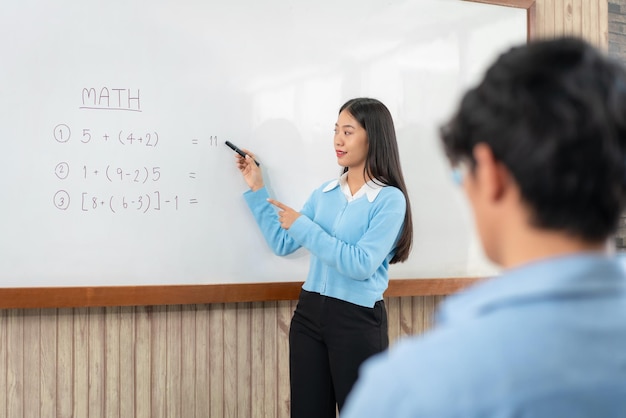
(370, 189)
(560, 277)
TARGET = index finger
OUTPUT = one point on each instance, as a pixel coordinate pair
(249, 153)
(278, 204)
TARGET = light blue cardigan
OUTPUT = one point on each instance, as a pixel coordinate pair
(351, 243)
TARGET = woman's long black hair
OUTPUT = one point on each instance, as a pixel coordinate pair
(383, 159)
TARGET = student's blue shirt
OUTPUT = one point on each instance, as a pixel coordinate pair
(350, 241)
(544, 340)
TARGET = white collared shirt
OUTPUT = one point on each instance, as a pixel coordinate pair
(370, 189)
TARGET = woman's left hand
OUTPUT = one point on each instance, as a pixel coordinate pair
(286, 215)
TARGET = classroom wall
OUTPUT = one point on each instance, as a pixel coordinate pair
(218, 360)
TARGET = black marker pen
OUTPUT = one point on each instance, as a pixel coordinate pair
(239, 151)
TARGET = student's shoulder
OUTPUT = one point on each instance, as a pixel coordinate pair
(424, 375)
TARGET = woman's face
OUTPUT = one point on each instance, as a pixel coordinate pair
(351, 143)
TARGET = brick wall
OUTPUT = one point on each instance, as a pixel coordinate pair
(617, 49)
(617, 29)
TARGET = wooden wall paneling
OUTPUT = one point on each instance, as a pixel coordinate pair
(257, 365)
(127, 360)
(48, 359)
(594, 23)
(568, 10)
(548, 21)
(111, 362)
(418, 314)
(586, 19)
(15, 363)
(201, 364)
(142, 369)
(230, 360)
(80, 364)
(242, 348)
(4, 367)
(603, 13)
(158, 366)
(406, 317)
(173, 357)
(188, 361)
(539, 19)
(547, 14)
(96, 363)
(559, 17)
(393, 318)
(189, 368)
(577, 19)
(65, 362)
(430, 305)
(285, 312)
(216, 359)
(32, 367)
(266, 403)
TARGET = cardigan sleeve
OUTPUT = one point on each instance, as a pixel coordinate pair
(265, 215)
(360, 260)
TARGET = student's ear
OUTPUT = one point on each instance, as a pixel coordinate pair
(492, 176)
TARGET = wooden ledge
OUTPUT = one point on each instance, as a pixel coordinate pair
(75, 297)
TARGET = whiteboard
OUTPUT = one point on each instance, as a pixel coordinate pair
(114, 117)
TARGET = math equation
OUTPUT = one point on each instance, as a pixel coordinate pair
(116, 169)
(118, 203)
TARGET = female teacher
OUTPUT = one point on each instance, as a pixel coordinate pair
(354, 227)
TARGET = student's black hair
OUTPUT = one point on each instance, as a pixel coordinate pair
(554, 113)
(383, 159)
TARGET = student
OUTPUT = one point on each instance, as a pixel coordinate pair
(541, 147)
(354, 227)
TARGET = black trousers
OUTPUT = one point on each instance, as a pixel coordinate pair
(328, 340)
